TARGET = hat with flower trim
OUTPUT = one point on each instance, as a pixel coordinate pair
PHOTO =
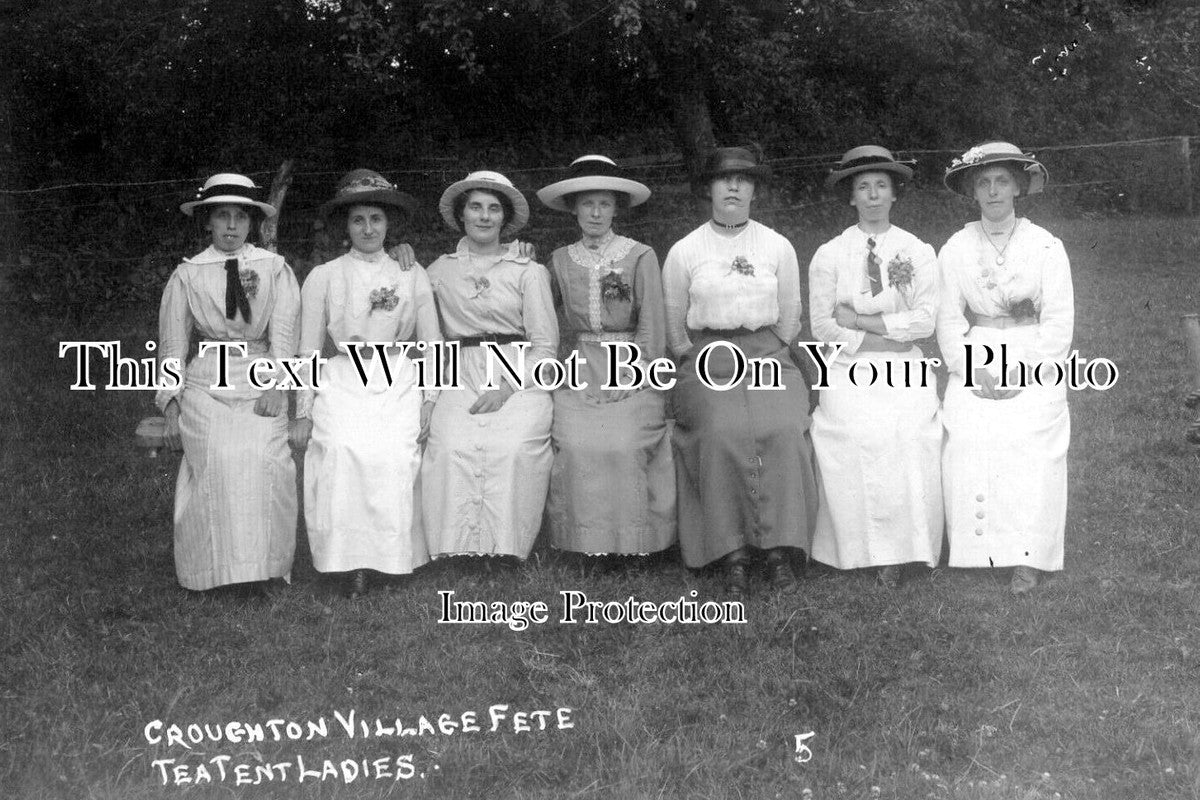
(227, 188)
(990, 153)
(368, 187)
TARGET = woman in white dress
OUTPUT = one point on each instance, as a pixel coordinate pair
(1006, 290)
(743, 461)
(235, 497)
(362, 496)
(878, 442)
(612, 488)
(487, 462)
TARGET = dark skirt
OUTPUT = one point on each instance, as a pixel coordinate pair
(743, 459)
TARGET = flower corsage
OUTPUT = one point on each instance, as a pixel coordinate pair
(1022, 309)
(742, 267)
(900, 273)
(384, 298)
(249, 281)
(480, 284)
(613, 288)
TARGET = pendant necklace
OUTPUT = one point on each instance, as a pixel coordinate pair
(1000, 251)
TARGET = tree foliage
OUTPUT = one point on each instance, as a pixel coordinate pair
(118, 91)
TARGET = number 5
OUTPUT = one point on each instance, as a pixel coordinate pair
(803, 754)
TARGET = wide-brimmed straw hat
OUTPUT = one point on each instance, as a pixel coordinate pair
(367, 187)
(868, 158)
(592, 174)
(995, 153)
(492, 181)
(730, 160)
(225, 188)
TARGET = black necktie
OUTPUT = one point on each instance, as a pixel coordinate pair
(873, 267)
(235, 295)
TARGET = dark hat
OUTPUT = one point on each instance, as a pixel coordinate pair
(228, 188)
(591, 174)
(868, 158)
(367, 187)
(730, 160)
(990, 153)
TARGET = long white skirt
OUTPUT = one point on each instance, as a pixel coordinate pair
(485, 476)
(235, 497)
(361, 472)
(878, 450)
(1004, 469)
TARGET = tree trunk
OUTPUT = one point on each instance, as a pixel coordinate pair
(269, 227)
(676, 48)
(693, 123)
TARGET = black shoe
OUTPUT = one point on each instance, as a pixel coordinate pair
(356, 584)
(779, 572)
(781, 577)
(737, 580)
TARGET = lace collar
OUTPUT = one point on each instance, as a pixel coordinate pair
(613, 248)
(370, 258)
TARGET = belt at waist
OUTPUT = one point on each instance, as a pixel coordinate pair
(254, 347)
(498, 338)
(1003, 321)
(726, 333)
(412, 352)
(606, 336)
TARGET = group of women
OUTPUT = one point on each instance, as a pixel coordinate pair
(742, 476)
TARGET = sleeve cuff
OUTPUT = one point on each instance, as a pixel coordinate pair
(894, 326)
(304, 403)
(163, 397)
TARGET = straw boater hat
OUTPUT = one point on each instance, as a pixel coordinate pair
(590, 174)
(730, 160)
(367, 187)
(229, 187)
(995, 153)
(868, 158)
(492, 181)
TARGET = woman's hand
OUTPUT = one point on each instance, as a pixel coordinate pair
(426, 416)
(526, 250)
(845, 317)
(269, 403)
(617, 395)
(300, 432)
(404, 254)
(988, 388)
(491, 401)
(171, 438)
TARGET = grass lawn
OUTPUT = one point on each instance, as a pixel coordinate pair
(946, 688)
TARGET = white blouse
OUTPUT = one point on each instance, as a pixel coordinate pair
(368, 298)
(750, 280)
(194, 299)
(1035, 268)
(838, 276)
(504, 293)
